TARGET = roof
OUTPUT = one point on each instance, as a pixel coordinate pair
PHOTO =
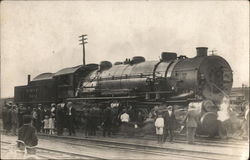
(69, 70)
(43, 76)
(65, 71)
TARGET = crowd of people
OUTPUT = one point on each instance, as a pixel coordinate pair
(43, 118)
(55, 118)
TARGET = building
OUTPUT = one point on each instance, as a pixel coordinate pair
(239, 95)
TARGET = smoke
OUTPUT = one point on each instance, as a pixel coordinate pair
(223, 112)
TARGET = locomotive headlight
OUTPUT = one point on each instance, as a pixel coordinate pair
(173, 88)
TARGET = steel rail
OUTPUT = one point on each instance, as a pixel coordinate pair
(122, 145)
(61, 152)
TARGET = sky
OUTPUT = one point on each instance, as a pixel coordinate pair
(42, 36)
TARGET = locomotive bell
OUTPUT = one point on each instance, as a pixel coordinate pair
(201, 51)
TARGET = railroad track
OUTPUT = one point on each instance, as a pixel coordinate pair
(45, 153)
(202, 142)
(103, 144)
(208, 142)
(153, 150)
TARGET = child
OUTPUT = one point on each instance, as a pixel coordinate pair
(159, 124)
(46, 124)
(51, 125)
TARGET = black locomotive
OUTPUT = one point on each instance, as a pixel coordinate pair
(173, 80)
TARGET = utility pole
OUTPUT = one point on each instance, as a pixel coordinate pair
(83, 42)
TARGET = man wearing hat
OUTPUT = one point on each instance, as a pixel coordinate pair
(170, 121)
(39, 118)
(191, 123)
(20, 112)
(71, 114)
(27, 133)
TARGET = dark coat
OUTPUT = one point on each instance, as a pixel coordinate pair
(7, 120)
(71, 118)
(170, 121)
(60, 117)
(27, 134)
(5, 117)
(14, 118)
(107, 117)
(39, 114)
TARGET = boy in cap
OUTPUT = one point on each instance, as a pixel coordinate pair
(159, 125)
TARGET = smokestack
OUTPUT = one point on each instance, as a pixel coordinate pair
(28, 78)
(201, 51)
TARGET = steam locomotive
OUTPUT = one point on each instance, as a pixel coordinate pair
(175, 80)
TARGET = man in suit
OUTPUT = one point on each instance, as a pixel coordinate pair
(39, 118)
(60, 116)
(71, 114)
(170, 121)
(27, 134)
(107, 121)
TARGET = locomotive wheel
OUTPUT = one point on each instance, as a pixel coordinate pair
(209, 124)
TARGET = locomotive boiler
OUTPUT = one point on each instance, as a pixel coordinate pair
(171, 78)
(204, 79)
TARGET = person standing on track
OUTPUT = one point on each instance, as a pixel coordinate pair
(159, 125)
(60, 115)
(45, 112)
(107, 121)
(52, 118)
(125, 122)
(140, 119)
(191, 124)
(71, 118)
(46, 124)
(87, 122)
(8, 119)
(93, 121)
(34, 117)
(39, 118)
(170, 121)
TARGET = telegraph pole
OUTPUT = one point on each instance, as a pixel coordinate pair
(83, 42)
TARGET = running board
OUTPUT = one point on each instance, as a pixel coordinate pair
(102, 98)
